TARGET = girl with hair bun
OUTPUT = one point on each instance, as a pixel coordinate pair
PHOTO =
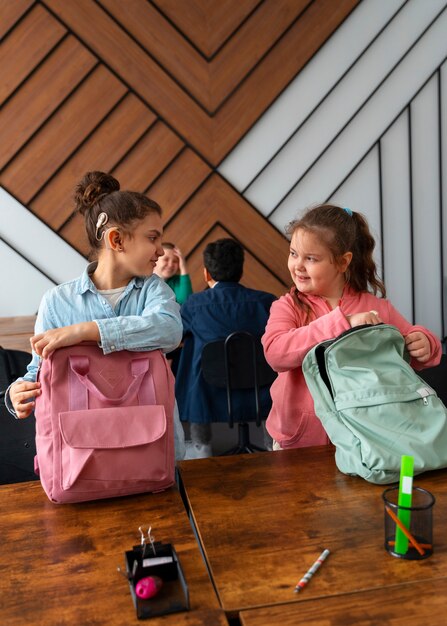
(335, 288)
(117, 301)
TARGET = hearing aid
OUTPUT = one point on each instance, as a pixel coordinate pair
(103, 218)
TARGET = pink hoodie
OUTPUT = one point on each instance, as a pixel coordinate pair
(292, 421)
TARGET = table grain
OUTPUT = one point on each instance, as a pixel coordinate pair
(58, 563)
(263, 519)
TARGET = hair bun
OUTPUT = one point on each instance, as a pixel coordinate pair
(92, 187)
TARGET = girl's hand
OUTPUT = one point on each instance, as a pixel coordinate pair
(22, 394)
(418, 346)
(181, 261)
(47, 342)
(369, 317)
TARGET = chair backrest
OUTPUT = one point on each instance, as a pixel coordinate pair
(237, 362)
(17, 437)
(12, 365)
(436, 377)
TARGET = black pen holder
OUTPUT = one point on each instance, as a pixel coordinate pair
(161, 561)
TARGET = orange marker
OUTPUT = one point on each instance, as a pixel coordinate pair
(407, 533)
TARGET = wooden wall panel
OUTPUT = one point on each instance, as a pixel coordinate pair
(149, 158)
(34, 37)
(179, 182)
(74, 232)
(103, 150)
(63, 133)
(207, 24)
(11, 13)
(166, 44)
(157, 92)
(208, 82)
(255, 275)
(42, 94)
(250, 44)
(217, 202)
(132, 63)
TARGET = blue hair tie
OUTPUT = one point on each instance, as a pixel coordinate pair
(348, 211)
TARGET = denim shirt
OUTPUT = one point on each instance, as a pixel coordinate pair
(147, 317)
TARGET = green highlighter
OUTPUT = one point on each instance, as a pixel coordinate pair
(405, 491)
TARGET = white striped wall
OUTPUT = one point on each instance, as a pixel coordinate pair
(33, 258)
(364, 125)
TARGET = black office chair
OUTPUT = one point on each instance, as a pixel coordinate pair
(238, 363)
(436, 377)
(17, 437)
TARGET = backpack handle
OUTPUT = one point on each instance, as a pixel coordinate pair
(80, 366)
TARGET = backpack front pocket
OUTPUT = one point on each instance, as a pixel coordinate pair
(110, 448)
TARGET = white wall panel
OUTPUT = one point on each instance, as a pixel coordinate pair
(307, 90)
(426, 206)
(396, 208)
(306, 146)
(361, 192)
(22, 285)
(33, 239)
(370, 123)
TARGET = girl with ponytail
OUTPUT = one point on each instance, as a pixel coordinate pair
(336, 287)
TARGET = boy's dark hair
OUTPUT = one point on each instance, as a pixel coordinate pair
(224, 260)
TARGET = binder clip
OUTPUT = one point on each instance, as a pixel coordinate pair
(156, 580)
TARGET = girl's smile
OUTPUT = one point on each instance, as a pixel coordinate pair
(168, 264)
(313, 269)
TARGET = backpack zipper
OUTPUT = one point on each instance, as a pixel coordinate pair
(424, 392)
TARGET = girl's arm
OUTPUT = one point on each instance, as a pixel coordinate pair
(286, 340)
(43, 344)
(157, 325)
(184, 288)
(19, 397)
(181, 262)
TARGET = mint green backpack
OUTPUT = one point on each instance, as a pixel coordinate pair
(373, 405)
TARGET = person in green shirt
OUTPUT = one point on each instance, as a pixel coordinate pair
(172, 268)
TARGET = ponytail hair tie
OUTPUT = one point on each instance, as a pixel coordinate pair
(348, 211)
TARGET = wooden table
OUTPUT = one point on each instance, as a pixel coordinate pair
(263, 519)
(15, 332)
(59, 562)
(409, 604)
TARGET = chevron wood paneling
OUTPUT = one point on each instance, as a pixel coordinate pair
(207, 24)
(215, 202)
(46, 89)
(63, 133)
(255, 273)
(156, 92)
(209, 82)
(178, 183)
(112, 140)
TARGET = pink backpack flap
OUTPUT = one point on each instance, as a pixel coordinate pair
(104, 423)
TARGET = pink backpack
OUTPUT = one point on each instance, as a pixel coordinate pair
(104, 423)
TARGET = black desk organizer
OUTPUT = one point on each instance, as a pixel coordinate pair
(173, 596)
